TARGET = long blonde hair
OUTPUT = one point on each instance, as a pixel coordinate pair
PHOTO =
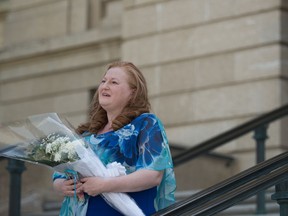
(138, 104)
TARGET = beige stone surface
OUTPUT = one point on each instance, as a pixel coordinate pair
(257, 63)
(174, 109)
(189, 13)
(215, 70)
(284, 61)
(135, 3)
(226, 8)
(219, 103)
(56, 83)
(78, 16)
(1, 114)
(284, 26)
(167, 78)
(19, 4)
(77, 118)
(111, 14)
(60, 62)
(273, 140)
(60, 44)
(140, 21)
(284, 91)
(167, 15)
(248, 159)
(247, 143)
(285, 4)
(65, 103)
(249, 98)
(51, 21)
(190, 135)
(245, 31)
(201, 173)
(210, 66)
(254, 30)
(1, 33)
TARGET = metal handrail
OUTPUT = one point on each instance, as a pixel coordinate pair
(229, 135)
(243, 178)
(214, 193)
(241, 193)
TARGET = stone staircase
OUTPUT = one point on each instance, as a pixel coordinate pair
(49, 208)
(245, 208)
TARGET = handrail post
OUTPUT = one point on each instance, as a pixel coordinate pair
(260, 135)
(15, 167)
(281, 196)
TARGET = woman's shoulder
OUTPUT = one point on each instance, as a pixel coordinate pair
(147, 118)
(144, 116)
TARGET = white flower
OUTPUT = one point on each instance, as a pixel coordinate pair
(57, 157)
(68, 148)
(56, 148)
(48, 148)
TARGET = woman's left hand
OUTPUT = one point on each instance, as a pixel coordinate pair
(92, 185)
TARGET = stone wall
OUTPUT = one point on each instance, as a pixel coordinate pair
(50, 60)
(210, 65)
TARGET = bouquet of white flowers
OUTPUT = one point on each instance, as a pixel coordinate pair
(53, 150)
(50, 140)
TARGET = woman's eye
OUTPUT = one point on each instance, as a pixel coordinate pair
(114, 82)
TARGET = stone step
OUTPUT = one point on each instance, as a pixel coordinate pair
(48, 213)
(249, 209)
(244, 208)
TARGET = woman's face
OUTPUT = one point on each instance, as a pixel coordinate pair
(114, 90)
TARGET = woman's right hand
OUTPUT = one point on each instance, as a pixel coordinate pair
(66, 187)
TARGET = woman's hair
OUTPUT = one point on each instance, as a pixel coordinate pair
(137, 105)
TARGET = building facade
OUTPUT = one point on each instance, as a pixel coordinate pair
(210, 66)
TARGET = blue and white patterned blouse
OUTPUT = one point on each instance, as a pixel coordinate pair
(141, 144)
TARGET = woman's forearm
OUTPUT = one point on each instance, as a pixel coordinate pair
(137, 181)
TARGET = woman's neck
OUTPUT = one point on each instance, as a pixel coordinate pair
(111, 116)
(105, 129)
(108, 126)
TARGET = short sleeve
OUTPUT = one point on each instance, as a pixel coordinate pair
(154, 154)
(153, 146)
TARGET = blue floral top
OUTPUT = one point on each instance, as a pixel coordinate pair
(141, 144)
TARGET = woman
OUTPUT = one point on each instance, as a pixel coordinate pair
(121, 128)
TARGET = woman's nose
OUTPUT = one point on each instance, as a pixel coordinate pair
(105, 85)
